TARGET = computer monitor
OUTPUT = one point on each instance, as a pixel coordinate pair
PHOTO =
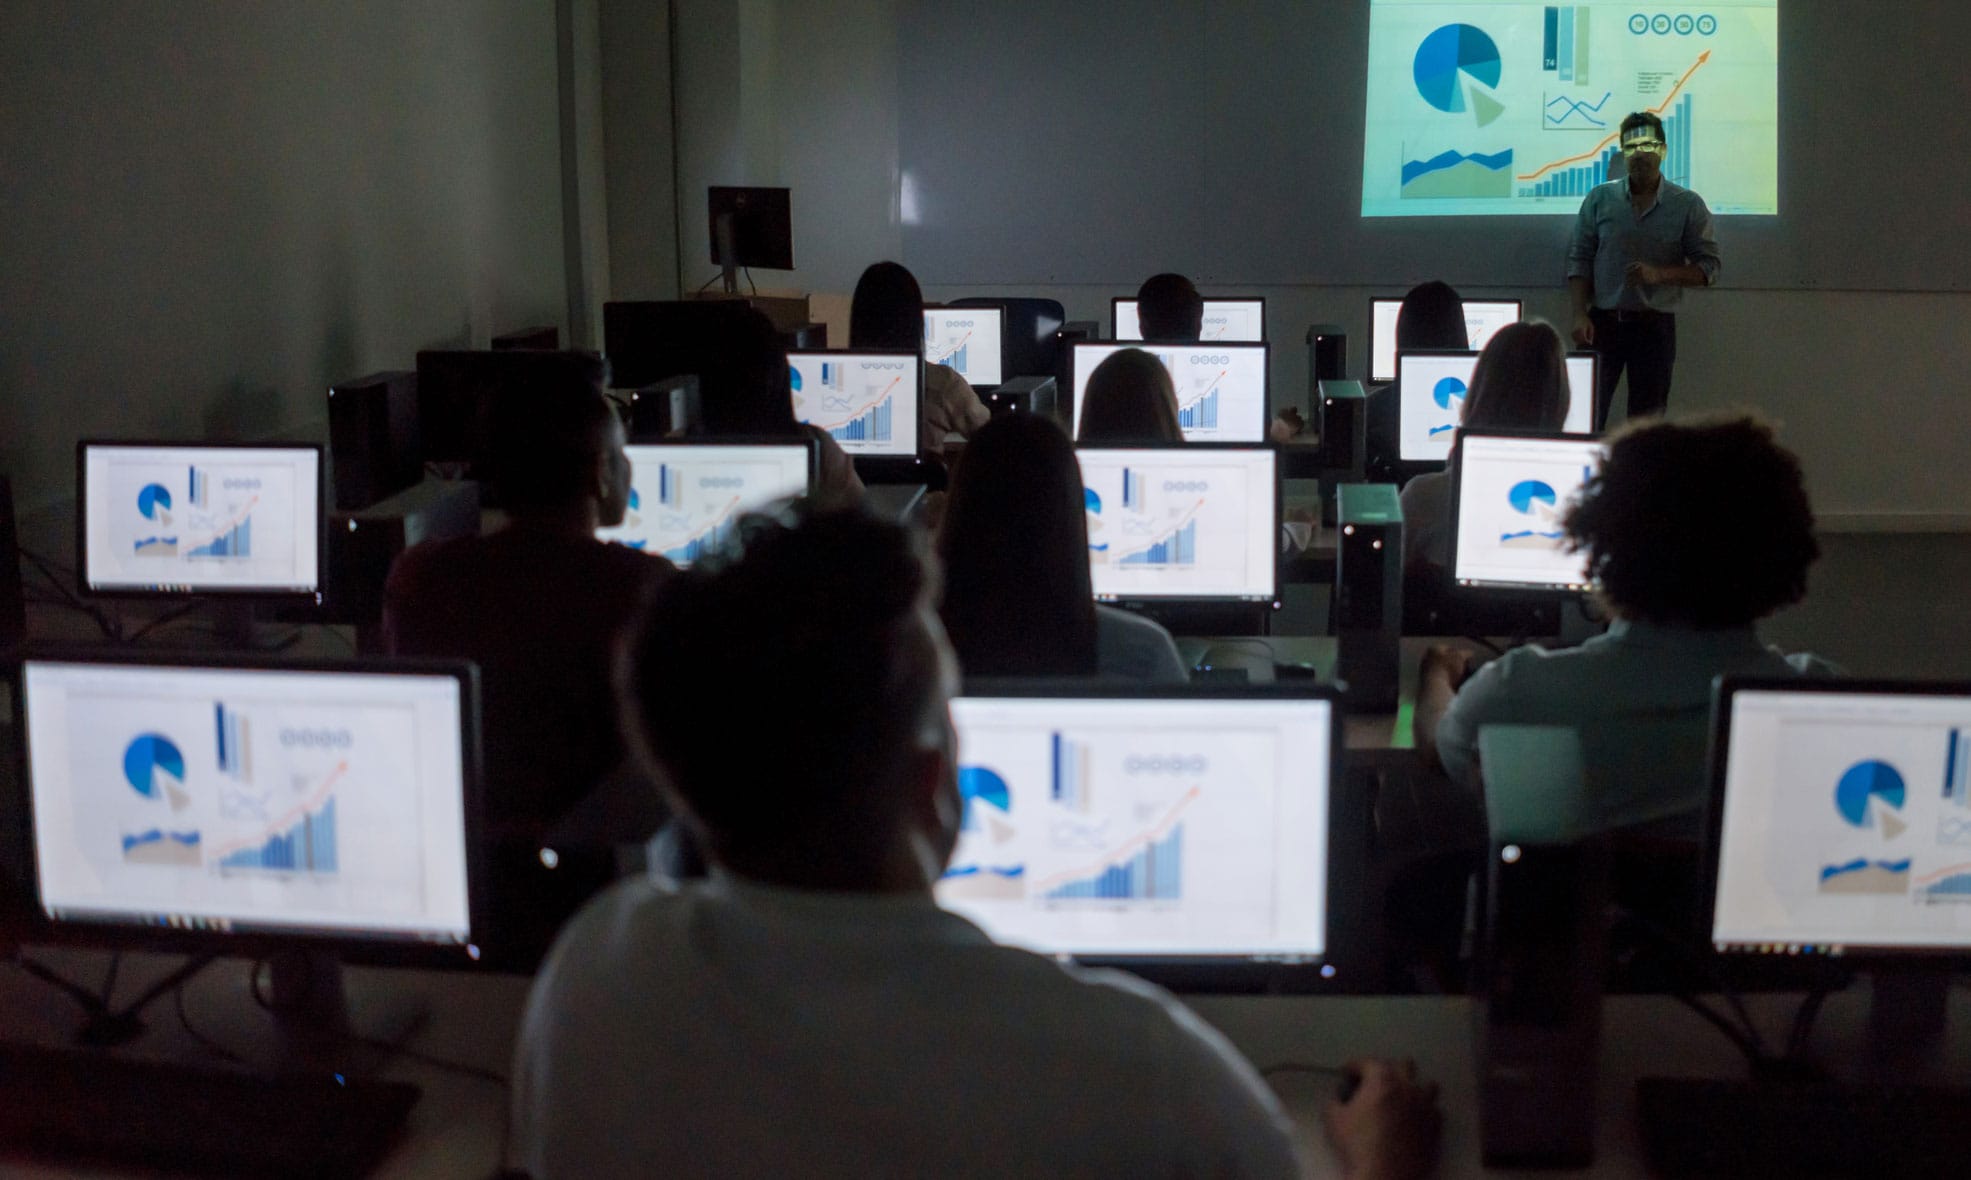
(1841, 818)
(1145, 828)
(972, 340)
(455, 389)
(750, 227)
(1430, 396)
(1221, 388)
(226, 801)
(868, 401)
(1190, 523)
(1509, 491)
(685, 496)
(1483, 318)
(1240, 320)
(187, 519)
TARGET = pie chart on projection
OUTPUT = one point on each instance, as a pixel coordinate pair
(1457, 68)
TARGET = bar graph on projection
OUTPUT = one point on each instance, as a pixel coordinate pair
(1155, 873)
(233, 737)
(305, 846)
(1201, 414)
(1566, 42)
(1577, 180)
(1177, 547)
(1070, 774)
(234, 542)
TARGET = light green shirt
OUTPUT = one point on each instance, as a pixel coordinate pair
(1640, 696)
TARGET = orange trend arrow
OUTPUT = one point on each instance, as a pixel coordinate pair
(1658, 109)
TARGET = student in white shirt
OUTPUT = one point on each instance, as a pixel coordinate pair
(809, 1010)
(1018, 597)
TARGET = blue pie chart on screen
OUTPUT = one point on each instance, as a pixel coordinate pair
(1447, 389)
(1449, 61)
(985, 786)
(1869, 786)
(153, 497)
(1528, 492)
(794, 378)
(153, 766)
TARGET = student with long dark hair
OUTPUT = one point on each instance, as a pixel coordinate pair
(1519, 383)
(757, 400)
(1129, 399)
(887, 312)
(1432, 317)
(1018, 600)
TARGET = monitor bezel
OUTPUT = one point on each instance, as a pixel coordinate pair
(1413, 466)
(1597, 412)
(1455, 469)
(1077, 385)
(998, 312)
(1723, 689)
(1273, 549)
(1265, 337)
(323, 507)
(917, 443)
(39, 926)
(806, 441)
(1374, 378)
(1349, 962)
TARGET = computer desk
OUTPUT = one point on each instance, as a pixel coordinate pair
(458, 1127)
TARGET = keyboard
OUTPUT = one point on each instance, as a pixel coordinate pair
(1694, 1128)
(74, 1104)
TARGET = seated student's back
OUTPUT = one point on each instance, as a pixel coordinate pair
(1686, 590)
(810, 1010)
(753, 399)
(1431, 317)
(1018, 596)
(1169, 310)
(1129, 400)
(887, 312)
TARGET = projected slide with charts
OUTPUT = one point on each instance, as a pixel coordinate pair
(868, 403)
(1487, 108)
(1181, 523)
(969, 339)
(684, 500)
(1431, 390)
(1221, 389)
(203, 518)
(1847, 821)
(258, 799)
(1510, 497)
(1232, 321)
(1143, 827)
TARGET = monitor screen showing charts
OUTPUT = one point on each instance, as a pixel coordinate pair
(1190, 522)
(1144, 828)
(1232, 321)
(1511, 493)
(1221, 388)
(1843, 817)
(868, 402)
(1483, 319)
(201, 519)
(251, 800)
(1430, 392)
(684, 499)
(969, 339)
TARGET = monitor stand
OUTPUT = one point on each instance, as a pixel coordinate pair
(315, 1025)
(233, 622)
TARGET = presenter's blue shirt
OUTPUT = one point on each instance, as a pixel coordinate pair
(1609, 235)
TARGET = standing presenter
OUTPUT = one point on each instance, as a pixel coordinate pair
(1637, 244)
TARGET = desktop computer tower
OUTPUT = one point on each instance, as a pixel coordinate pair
(13, 595)
(1541, 954)
(1368, 594)
(1327, 354)
(374, 450)
(548, 338)
(1343, 409)
(664, 408)
(1023, 395)
(363, 544)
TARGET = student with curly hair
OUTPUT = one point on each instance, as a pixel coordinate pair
(1694, 532)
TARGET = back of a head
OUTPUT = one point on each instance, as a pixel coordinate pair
(1520, 381)
(1129, 399)
(1703, 523)
(547, 425)
(1169, 310)
(887, 311)
(1432, 316)
(779, 686)
(750, 393)
(1018, 600)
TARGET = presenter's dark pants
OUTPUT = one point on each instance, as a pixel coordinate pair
(1643, 343)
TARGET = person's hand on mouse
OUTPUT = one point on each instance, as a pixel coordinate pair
(1387, 1128)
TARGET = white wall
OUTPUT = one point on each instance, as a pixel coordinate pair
(211, 210)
